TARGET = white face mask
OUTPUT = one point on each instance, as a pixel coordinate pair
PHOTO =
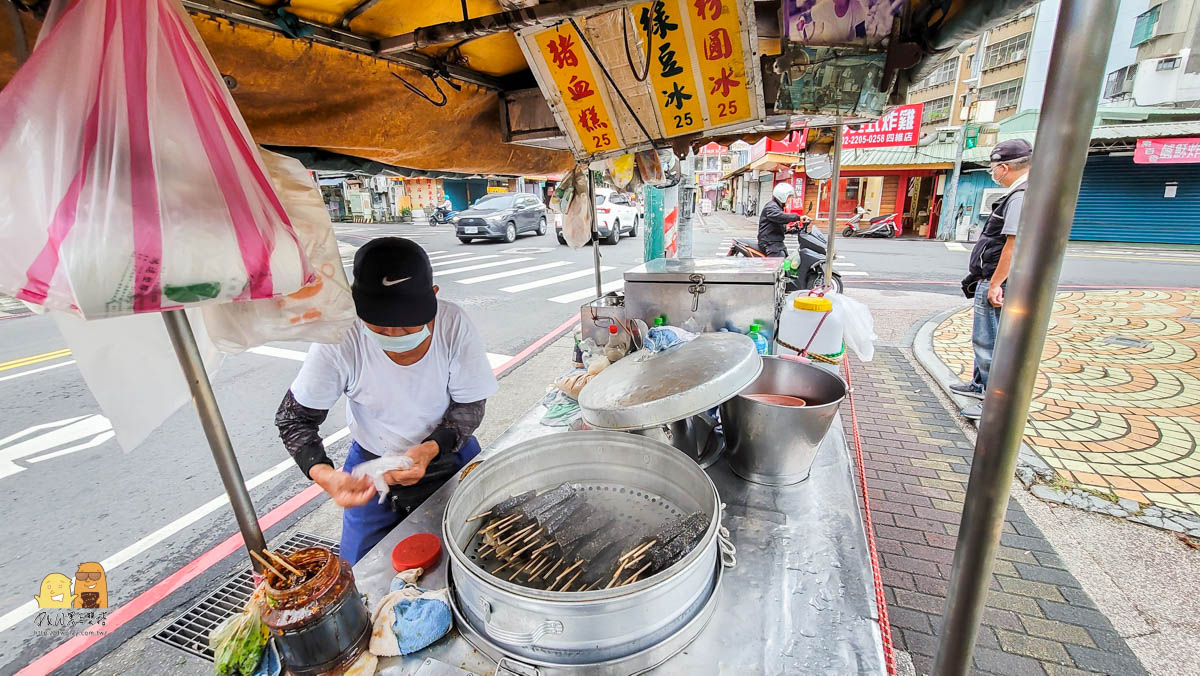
(402, 343)
(992, 173)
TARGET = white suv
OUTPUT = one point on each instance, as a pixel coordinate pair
(616, 215)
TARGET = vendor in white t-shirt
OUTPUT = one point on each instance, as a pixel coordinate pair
(415, 376)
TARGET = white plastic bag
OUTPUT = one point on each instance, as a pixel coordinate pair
(858, 326)
(128, 180)
(577, 213)
(375, 469)
(320, 313)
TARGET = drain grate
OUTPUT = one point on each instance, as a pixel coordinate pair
(189, 632)
(1125, 341)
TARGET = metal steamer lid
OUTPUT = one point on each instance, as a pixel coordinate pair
(647, 390)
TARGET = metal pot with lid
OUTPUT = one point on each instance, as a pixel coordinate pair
(666, 395)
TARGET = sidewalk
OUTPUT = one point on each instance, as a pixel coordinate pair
(1039, 621)
(1116, 408)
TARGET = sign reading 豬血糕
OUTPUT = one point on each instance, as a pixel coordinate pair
(900, 126)
(701, 61)
(582, 99)
(1167, 151)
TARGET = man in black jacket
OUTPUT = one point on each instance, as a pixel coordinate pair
(773, 222)
(991, 260)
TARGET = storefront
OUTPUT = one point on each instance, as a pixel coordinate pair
(884, 181)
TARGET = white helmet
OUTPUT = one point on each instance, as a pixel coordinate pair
(783, 191)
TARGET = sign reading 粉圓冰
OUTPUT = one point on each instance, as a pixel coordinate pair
(900, 126)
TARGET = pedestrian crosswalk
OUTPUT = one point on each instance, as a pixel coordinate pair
(839, 261)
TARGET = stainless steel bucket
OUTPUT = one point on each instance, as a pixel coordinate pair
(580, 628)
(776, 445)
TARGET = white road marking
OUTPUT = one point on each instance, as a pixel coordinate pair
(25, 610)
(839, 264)
(955, 246)
(853, 273)
(92, 443)
(66, 431)
(446, 260)
(442, 257)
(552, 280)
(22, 374)
(589, 292)
(482, 266)
(495, 360)
(512, 273)
(282, 353)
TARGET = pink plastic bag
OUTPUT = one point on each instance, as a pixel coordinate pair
(128, 180)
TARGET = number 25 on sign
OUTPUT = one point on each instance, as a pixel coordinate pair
(570, 68)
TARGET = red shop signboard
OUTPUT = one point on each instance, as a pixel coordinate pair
(1167, 151)
(900, 126)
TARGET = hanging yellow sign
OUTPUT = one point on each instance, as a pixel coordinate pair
(571, 69)
(715, 29)
(661, 25)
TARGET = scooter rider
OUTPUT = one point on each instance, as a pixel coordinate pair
(773, 222)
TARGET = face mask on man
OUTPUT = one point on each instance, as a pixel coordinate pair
(992, 173)
(402, 343)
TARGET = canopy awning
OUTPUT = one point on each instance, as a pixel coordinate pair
(768, 162)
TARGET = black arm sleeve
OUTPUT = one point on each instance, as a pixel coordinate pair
(777, 216)
(460, 421)
(299, 428)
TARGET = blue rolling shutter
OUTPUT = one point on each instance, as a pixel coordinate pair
(1120, 201)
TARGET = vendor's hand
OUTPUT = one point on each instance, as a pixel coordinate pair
(422, 455)
(995, 295)
(346, 490)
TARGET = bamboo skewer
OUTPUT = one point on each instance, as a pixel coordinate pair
(531, 544)
(546, 575)
(573, 567)
(284, 562)
(478, 516)
(637, 551)
(534, 534)
(543, 548)
(516, 536)
(570, 582)
(266, 565)
(633, 577)
(502, 522)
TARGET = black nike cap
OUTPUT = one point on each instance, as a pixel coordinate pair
(393, 283)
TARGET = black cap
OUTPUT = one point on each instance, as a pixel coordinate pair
(393, 283)
(1014, 149)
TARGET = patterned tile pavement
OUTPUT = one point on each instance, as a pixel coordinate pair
(1039, 622)
(1117, 402)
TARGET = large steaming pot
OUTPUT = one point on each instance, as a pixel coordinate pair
(652, 480)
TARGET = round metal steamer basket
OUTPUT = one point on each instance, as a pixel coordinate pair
(641, 479)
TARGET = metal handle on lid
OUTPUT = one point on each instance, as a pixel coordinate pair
(510, 667)
(524, 639)
(725, 544)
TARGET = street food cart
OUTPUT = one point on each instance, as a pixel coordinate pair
(798, 595)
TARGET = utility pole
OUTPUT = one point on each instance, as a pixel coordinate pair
(948, 202)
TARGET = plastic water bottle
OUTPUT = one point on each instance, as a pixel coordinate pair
(760, 343)
(617, 345)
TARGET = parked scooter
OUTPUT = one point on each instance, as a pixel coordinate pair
(442, 216)
(880, 226)
(805, 267)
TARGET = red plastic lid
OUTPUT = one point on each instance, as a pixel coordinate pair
(422, 550)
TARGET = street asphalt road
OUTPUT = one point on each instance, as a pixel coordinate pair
(71, 495)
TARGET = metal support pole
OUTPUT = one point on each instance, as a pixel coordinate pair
(1081, 40)
(834, 193)
(687, 198)
(595, 231)
(948, 210)
(184, 341)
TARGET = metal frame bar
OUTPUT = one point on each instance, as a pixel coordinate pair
(469, 29)
(259, 16)
(834, 194)
(184, 342)
(1081, 40)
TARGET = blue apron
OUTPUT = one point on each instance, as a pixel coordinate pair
(363, 527)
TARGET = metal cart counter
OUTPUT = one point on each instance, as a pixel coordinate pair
(800, 599)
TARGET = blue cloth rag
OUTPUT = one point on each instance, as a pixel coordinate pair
(663, 337)
(420, 622)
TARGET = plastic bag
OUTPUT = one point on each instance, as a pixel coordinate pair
(238, 643)
(577, 219)
(320, 313)
(128, 180)
(621, 169)
(858, 326)
(375, 469)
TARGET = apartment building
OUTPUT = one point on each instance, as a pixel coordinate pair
(1167, 69)
(1001, 78)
